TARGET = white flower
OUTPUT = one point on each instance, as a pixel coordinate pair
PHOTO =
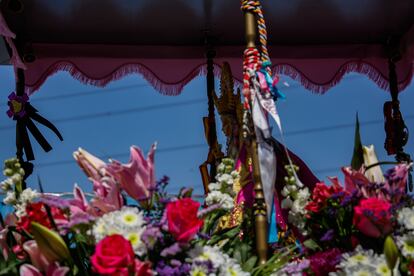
(406, 245)
(221, 167)
(233, 269)
(131, 218)
(285, 191)
(28, 195)
(287, 203)
(128, 222)
(225, 179)
(214, 186)
(363, 262)
(221, 262)
(16, 178)
(235, 174)
(225, 200)
(7, 184)
(10, 198)
(406, 218)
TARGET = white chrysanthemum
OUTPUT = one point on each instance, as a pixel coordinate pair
(233, 269)
(383, 269)
(199, 271)
(207, 253)
(406, 245)
(221, 262)
(363, 262)
(10, 198)
(406, 218)
(226, 201)
(128, 222)
(131, 218)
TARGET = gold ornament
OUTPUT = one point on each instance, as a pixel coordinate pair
(228, 104)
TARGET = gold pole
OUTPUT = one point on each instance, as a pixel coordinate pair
(260, 218)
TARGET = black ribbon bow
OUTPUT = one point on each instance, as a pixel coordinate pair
(24, 114)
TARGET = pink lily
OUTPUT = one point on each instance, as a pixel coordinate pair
(36, 257)
(92, 166)
(108, 196)
(53, 270)
(137, 177)
(3, 243)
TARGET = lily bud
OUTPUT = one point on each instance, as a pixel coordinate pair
(374, 174)
(50, 243)
(90, 164)
(391, 252)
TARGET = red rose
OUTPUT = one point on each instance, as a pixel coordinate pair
(183, 222)
(36, 212)
(114, 256)
(373, 217)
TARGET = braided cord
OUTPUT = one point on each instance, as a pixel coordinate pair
(256, 8)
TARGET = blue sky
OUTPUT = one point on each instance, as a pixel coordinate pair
(130, 112)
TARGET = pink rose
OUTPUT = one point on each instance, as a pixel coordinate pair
(114, 256)
(373, 217)
(183, 222)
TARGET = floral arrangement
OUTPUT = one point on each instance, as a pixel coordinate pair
(158, 235)
(129, 225)
(361, 228)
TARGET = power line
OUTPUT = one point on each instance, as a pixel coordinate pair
(118, 112)
(86, 93)
(328, 128)
(123, 154)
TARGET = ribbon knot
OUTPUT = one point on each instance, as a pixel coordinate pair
(24, 114)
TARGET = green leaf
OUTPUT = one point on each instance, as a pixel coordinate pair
(237, 256)
(357, 157)
(311, 244)
(249, 264)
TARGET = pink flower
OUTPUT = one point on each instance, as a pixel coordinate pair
(53, 270)
(3, 243)
(373, 217)
(137, 177)
(354, 179)
(92, 166)
(36, 257)
(108, 196)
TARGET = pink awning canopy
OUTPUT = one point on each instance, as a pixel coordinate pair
(315, 42)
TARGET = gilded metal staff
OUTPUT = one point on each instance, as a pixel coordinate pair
(259, 204)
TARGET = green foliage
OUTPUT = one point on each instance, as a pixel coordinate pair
(9, 266)
(277, 261)
(357, 157)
